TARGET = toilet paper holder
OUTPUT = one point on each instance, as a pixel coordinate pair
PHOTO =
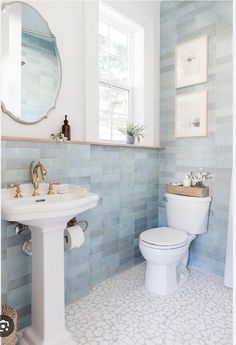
(24, 229)
(74, 222)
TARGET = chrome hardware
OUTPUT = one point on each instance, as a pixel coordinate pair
(22, 229)
(35, 176)
(27, 248)
(18, 190)
(50, 187)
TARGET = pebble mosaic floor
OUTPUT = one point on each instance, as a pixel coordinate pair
(120, 311)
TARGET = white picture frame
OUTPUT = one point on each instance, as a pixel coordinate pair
(191, 112)
(191, 62)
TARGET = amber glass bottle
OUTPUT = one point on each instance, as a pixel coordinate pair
(66, 129)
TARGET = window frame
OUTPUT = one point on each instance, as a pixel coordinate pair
(120, 23)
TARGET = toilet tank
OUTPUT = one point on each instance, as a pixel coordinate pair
(186, 213)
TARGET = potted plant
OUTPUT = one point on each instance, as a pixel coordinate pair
(132, 131)
(58, 137)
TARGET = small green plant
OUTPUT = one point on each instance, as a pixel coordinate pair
(133, 130)
(59, 137)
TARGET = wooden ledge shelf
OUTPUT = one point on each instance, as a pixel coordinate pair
(95, 143)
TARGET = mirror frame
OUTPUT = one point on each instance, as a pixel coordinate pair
(44, 116)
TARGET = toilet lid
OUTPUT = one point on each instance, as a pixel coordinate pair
(164, 236)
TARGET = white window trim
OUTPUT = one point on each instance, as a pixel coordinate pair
(91, 71)
(150, 24)
(115, 84)
(113, 17)
(149, 20)
(109, 18)
(120, 22)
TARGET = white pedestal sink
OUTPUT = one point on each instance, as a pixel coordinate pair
(47, 216)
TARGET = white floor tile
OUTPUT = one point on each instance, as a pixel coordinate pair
(120, 311)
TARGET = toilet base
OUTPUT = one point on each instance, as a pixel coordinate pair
(164, 280)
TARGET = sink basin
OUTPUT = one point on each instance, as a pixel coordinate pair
(47, 216)
(67, 201)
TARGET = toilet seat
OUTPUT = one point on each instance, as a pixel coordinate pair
(164, 238)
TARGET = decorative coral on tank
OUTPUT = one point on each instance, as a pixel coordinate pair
(199, 179)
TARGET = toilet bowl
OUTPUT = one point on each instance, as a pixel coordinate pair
(166, 249)
(166, 263)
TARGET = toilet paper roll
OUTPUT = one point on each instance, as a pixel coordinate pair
(73, 237)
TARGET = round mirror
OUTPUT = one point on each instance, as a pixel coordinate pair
(31, 67)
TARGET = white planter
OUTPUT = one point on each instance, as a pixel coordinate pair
(130, 139)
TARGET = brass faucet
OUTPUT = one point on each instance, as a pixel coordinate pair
(50, 187)
(35, 176)
(18, 190)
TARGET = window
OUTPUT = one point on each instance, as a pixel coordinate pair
(121, 91)
(114, 89)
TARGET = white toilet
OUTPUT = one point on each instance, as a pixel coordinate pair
(166, 249)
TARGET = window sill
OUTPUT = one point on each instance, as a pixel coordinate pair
(94, 143)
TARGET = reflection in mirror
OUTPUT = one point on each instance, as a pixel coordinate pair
(31, 64)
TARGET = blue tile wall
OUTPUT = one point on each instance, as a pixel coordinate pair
(40, 72)
(181, 21)
(126, 179)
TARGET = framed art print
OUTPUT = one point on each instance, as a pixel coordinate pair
(191, 115)
(191, 62)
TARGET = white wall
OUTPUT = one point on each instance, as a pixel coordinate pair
(78, 51)
(234, 152)
(11, 44)
(66, 21)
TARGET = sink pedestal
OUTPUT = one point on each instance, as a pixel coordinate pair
(47, 216)
(48, 300)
